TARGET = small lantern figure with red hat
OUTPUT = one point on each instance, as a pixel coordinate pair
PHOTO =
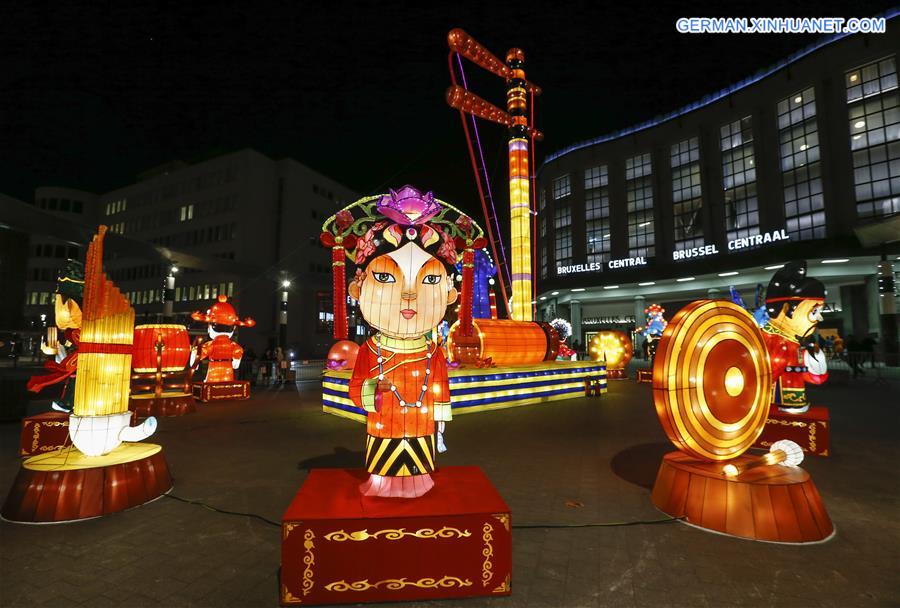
(223, 353)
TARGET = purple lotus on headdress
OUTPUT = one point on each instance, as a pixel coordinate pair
(408, 206)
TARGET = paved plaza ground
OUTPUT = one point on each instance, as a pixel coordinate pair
(252, 457)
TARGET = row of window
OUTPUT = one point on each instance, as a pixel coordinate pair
(46, 250)
(185, 188)
(199, 236)
(874, 115)
(60, 204)
(206, 291)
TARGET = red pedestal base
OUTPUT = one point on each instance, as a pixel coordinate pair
(44, 496)
(811, 430)
(616, 374)
(169, 404)
(771, 503)
(644, 375)
(44, 433)
(340, 547)
(219, 391)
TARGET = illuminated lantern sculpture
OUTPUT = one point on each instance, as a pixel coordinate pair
(564, 331)
(68, 318)
(161, 379)
(223, 353)
(794, 304)
(405, 244)
(87, 479)
(653, 330)
(615, 348)
(342, 355)
(712, 380)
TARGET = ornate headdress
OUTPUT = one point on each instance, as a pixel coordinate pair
(790, 285)
(357, 232)
(222, 312)
(70, 280)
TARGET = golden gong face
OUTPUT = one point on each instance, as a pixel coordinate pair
(712, 380)
(612, 346)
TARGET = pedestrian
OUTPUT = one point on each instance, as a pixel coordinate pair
(853, 355)
(280, 365)
(867, 346)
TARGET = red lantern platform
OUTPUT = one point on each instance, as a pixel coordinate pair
(66, 485)
(235, 390)
(42, 433)
(341, 547)
(771, 503)
(644, 375)
(810, 430)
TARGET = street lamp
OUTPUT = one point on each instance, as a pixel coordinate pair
(282, 313)
(169, 293)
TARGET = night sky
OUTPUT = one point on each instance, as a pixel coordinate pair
(92, 94)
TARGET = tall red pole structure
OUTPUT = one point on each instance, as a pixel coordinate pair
(516, 120)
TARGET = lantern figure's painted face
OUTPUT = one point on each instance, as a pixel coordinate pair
(404, 293)
(67, 312)
(802, 321)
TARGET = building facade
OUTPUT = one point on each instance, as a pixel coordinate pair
(799, 162)
(262, 214)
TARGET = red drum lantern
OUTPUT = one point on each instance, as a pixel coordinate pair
(176, 348)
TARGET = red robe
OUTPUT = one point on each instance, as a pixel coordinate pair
(406, 371)
(789, 371)
(220, 351)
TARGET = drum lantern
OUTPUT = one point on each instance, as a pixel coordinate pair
(175, 352)
(504, 342)
(712, 380)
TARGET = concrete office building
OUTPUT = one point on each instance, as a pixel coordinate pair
(262, 214)
(801, 161)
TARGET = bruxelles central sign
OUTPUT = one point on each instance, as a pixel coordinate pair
(597, 267)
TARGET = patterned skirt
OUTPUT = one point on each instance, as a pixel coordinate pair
(400, 456)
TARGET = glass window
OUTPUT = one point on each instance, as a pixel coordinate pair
(562, 187)
(77, 206)
(874, 113)
(543, 228)
(324, 305)
(739, 179)
(639, 195)
(687, 194)
(562, 222)
(596, 211)
(798, 139)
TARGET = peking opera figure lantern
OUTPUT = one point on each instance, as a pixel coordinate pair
(405, 245)
(712, 383)
(223, 353)
(794, 304)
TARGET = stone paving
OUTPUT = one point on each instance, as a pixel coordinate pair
(252, 456)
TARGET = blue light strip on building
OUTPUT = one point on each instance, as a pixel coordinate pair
(709, 99)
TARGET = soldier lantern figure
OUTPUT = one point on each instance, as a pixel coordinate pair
(794, 304)
(63, 348)
(406, 246)
(224, 354)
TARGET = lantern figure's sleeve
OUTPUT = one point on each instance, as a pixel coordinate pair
(779, 353)
(362, 387)
(813, 377)
(205, 349)
(441, 385)
(237, 351)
